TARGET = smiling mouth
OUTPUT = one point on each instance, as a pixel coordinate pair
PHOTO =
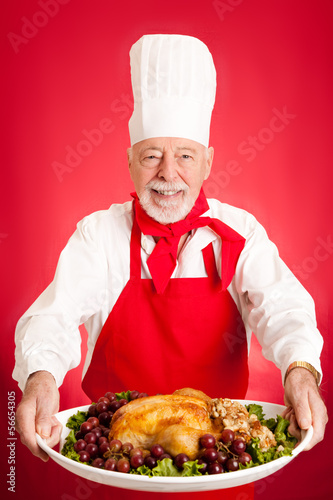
(166, 193)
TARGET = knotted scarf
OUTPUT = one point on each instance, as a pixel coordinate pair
(163, 259)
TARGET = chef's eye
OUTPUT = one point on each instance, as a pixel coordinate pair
(150, 158)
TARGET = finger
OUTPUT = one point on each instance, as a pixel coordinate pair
(55, 433)
(303, 414)
(293, 428)
(45, 420)
(286, 412)
(25, 425)
(319, 422)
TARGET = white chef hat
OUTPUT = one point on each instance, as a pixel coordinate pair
(174, 85)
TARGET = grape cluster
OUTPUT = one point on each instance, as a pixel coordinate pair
(92, 444)
(223, 455)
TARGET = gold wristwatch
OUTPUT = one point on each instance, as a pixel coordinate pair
(307, 366)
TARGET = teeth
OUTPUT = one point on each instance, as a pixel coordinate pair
(167, 193)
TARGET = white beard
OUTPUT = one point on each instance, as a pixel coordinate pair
(166, 211)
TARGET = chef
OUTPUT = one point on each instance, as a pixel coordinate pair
(169, 285)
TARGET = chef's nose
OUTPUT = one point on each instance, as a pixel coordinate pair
(168, 168)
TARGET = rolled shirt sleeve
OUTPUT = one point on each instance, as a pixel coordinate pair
(47, 336)
(274, 304)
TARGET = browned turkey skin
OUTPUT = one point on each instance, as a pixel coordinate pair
(177, 421)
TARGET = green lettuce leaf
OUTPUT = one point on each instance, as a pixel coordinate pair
(68, 448)
(248, 465)
(166, 468)
(256, 409)
(258, 456)
(280, 429)
(123, 395)
(270, 423)
(143, 470)
(74, 422)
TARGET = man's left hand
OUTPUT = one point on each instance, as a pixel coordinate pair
(305, 405)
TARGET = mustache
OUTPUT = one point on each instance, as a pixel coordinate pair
(167, 186)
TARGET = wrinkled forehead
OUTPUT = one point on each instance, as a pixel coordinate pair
(164, 144)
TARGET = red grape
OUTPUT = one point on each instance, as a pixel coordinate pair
(84, 456)
(92, 411)
(207, 441)
(80, 445)
(104, 399)
(143, 395)
(90, 437)
(180, 459)
(97, 431)
(123, 465)
(92, 449)
(79, 435)
(136, 451)
(86, 427)
(227, 436)
(102, 406)
(165, 455)
(232, 464)
(222, 457)
(137, 461)
(115, 445)
(94, 421)
(156, 450)
(104, 418)
(238, 446)
(110, 395)
(150, 462)
(244, 458)
(210, 454)
(102, 439)
(114, 406)
(215, 468)
(98, 462)
(122, 402)
(103, 448)
(134, 395)
(110, 464)
(126, 448)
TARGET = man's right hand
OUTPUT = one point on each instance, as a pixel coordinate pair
(40, 401)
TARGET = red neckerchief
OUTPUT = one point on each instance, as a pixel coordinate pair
(163, 259)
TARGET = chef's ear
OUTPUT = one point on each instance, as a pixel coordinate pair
(129, 156)
(209, 161)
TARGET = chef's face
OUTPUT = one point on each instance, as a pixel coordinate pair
(168, 174)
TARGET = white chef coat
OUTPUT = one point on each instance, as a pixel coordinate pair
(93, 270)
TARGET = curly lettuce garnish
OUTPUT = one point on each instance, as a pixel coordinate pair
(166, 467)
(285, 442)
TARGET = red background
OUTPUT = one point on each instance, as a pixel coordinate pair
(69, 70)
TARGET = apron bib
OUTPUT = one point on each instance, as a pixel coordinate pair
(192, 335)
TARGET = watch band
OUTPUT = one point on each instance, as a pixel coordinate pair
(307, 366)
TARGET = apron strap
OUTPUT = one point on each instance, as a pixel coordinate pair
(135, 250)
(210, 264)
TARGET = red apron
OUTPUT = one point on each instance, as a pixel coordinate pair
(192, 335)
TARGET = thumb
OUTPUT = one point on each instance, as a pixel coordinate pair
(44, 424)
(303, 415)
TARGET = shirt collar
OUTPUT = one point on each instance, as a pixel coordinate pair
(200, 238)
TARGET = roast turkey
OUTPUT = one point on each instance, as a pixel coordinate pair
(175, 421)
